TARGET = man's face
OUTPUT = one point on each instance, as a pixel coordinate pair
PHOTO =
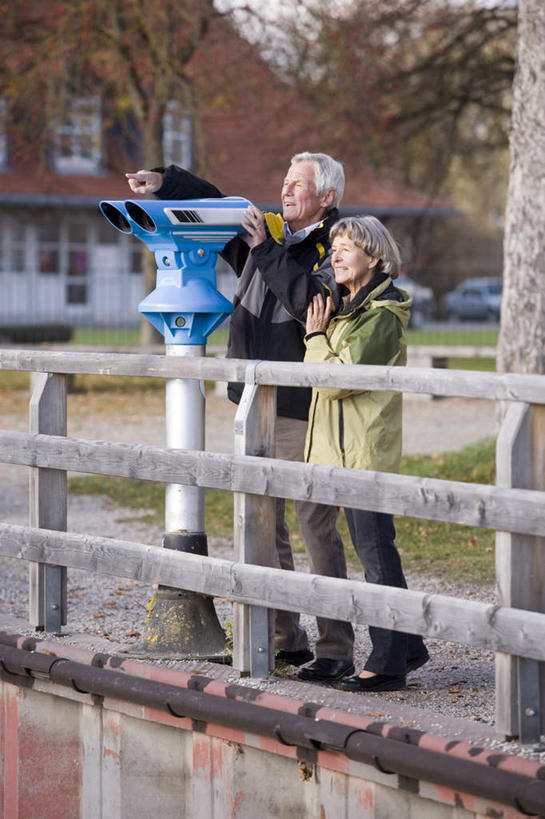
(301, 206)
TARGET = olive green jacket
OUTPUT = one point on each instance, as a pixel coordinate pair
(353, 428)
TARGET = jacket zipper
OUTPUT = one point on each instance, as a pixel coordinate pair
(341, 429)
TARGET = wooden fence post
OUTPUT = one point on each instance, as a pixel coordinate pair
(520, 572)
(47, 503)
(254, 529)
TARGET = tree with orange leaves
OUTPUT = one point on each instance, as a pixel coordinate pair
(131, 56)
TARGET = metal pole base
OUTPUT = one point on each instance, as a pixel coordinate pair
(183, 625)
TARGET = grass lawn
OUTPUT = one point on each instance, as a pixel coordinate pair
(126, 336)
(476, 337)
(111, 336)
(14, 380)
(485, 336)
(450, 551)
(478, 364)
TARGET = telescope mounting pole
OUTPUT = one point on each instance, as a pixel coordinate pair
(184, 422)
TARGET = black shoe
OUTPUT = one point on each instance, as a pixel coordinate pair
(325, 670)
(304, 655)
(380, 682)
(417, 662)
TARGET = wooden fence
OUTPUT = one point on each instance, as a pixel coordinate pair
(514, 507)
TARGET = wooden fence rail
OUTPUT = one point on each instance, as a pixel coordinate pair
(433, 615)
(515, 508)
(473, 504)
(462, 383)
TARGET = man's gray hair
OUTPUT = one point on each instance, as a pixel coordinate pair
(368, 233)
(328, 173)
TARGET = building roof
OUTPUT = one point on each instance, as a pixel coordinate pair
(251, 123)
(36, 185)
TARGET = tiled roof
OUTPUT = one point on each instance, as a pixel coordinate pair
(252, 123)
(363, 192)
(31, 182)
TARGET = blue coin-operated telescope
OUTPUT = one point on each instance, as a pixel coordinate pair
(185, 237)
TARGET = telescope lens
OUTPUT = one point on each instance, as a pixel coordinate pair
(115, 217)
(140, 216)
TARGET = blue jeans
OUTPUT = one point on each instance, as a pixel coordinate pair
(373, 535)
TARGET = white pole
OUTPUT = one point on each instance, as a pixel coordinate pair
(184, 415)
(182, 624)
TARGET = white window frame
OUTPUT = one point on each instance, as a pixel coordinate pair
(81, 128)
(15, 237)
(177, 136)
(16, 240)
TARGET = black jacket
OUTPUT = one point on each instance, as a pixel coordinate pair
(275, 284)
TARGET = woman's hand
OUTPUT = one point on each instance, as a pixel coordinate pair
(254, 224)
(318, 315)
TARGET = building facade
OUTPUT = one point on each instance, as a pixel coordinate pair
(61, 262)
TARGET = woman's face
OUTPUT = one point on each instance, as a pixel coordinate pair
(352, 266)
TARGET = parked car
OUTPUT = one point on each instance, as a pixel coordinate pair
(422, 307)
(475, 299)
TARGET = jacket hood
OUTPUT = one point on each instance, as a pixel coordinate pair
(379, 292)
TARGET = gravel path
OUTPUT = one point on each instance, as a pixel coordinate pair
(458, 682)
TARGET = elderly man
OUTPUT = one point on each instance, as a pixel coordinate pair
(278, 268)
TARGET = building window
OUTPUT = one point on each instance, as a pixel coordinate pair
(13, 245)
(76, 294)
(3, 135)
(16, 248)
(63, 251)
(78, 139)
(48, 248)
(106, 235)
(77, 263)
(136, 258)
(177, 137)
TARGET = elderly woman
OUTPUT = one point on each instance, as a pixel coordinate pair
(362, 429)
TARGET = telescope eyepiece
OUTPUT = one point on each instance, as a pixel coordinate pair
(139, 215)
(116, 217)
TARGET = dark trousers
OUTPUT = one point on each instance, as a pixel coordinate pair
(373, 535)
(324, 545)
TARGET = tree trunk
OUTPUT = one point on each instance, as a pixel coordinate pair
(521, 345)
(152, 154)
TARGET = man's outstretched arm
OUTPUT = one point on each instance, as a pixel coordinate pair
(174, 182)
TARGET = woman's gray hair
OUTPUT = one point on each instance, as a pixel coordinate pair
(328, 173)
(374, 239)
